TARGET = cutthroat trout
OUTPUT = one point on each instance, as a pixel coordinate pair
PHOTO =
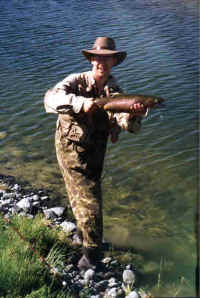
(121, 103)
(124, 102)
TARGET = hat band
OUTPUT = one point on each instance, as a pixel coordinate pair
(98, 48)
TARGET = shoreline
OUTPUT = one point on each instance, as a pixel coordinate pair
(112, 280)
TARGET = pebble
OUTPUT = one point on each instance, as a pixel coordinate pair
(128, 277)
(132, 294)
(64, 283)
(105, 284)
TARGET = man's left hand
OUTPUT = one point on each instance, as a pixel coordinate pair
(138, 109)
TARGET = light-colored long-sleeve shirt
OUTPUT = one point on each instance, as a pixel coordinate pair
(74, 90)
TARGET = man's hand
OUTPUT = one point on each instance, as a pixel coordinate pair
(138, 109)
(88, 105)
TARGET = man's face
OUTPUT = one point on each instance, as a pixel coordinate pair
(102, 65)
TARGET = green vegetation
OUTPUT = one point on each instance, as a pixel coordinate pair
(23, 273)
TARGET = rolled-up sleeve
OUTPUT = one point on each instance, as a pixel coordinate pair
(62, 94)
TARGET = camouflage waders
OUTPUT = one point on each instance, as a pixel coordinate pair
(80, 147)
(81, 140)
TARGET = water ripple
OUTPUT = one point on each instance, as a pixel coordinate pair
(162, 60)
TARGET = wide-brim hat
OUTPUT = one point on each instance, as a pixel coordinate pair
(105, 46)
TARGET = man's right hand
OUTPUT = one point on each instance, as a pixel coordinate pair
(88, 105)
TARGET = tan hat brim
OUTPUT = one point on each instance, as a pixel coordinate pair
(105, 52)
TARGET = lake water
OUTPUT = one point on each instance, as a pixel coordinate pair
(150, 182)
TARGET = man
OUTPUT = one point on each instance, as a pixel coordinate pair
(81, 139)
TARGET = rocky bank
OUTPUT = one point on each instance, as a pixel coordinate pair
(111, 280)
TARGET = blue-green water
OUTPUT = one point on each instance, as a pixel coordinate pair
(151, 179)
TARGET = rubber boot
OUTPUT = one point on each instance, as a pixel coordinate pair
(90, 258)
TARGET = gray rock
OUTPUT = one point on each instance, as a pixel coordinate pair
(44, 198)
(18, 196)
(6, 202)
(101, 285)
(49, 214)
(89, 274)
(68, 226)
(14, 209)
(36, 204)
(112, 293)
(25, 204)
(16, 187)
(9, 195)
(107, 260)
(58, 210)
(112, 282)
(35, 198)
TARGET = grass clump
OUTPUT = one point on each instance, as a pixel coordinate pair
(23, 273)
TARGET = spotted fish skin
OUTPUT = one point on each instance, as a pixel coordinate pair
(124, 102)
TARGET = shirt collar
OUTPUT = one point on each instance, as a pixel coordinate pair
(93, 82)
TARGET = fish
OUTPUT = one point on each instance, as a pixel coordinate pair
(125, 102)
(118, 103)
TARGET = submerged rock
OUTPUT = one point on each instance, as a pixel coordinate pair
(3, 135)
